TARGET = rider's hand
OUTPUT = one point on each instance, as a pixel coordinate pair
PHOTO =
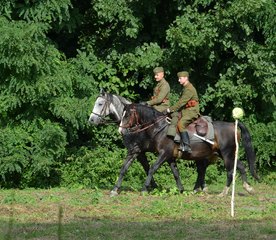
(166, 112)
(144, 103)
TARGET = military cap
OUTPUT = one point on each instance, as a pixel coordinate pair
(183, 74)
(158, 70)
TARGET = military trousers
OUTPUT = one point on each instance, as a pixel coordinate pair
(173, 125)
(188, 116)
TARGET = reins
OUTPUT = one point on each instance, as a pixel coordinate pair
(143, 129)
(139, 127)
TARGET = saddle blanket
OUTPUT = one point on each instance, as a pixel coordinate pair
(210, 135)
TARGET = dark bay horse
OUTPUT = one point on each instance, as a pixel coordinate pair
(112, 105)
(144, 129)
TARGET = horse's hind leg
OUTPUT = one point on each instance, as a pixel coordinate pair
(201, 166)
(228, 157)
(145, 164)
(245, 184)
(176, 175)
(228, 183)
(230, 170)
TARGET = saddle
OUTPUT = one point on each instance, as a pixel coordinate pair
(199, 126)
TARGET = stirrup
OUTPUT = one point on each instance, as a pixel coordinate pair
(188, 150)
(185, 148)
(181, 147)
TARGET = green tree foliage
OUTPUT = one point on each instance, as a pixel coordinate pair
(55, 55)
(30, 152)
(43, 104)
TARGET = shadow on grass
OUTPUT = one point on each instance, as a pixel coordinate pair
(107, 228)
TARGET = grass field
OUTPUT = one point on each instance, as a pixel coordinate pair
(91, 214)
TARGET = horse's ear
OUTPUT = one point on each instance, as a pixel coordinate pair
(125, 104)
(102, 92)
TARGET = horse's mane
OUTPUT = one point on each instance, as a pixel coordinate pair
(121, 99)
(146, 114)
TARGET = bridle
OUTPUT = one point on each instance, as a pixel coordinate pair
(133, 125)
(107, 104)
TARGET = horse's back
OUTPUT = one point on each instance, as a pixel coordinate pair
(223, 127)
(224, 133)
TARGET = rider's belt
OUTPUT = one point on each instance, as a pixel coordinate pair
(191, 103)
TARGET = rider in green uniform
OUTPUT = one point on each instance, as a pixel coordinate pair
(188, 106)
(160, 99)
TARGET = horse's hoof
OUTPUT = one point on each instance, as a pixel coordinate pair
(222, 195)
(205, 189)
(224, 192)
(144, 193)
(113, 193)
(248, 188)
(197, 190)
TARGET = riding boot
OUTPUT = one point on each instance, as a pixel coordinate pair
(185, 143)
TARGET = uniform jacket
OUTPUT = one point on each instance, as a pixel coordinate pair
(189, 93)
(160, 94)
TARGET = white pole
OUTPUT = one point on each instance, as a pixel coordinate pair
(235, 168)
(237, 114)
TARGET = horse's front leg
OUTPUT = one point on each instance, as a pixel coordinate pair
(160, 160)
(128, 161)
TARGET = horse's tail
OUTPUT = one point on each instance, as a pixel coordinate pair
(249, 151)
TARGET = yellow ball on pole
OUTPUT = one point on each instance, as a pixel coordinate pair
(237, 113)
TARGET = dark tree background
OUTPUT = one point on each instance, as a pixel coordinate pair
(57, 54)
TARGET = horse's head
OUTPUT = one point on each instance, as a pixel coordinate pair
(105, 105)
(101, 109)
